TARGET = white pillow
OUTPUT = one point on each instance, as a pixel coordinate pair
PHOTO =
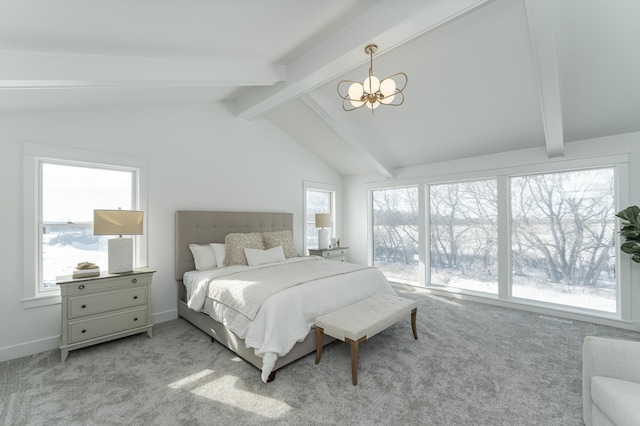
(220, 250)
(203, 256)
(260, 257)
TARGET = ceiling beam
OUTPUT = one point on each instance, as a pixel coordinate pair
(540, 19)
(388, 23)
(322, 106)
(22, 69)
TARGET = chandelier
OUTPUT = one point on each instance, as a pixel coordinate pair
(372, 92)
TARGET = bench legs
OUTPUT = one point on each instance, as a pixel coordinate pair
(354, 357)
(354, 346)
(319, 343)
(414, 312)
(354, 352)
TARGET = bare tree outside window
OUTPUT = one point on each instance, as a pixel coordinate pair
(563, 238)
(395, 233)
(464, 235)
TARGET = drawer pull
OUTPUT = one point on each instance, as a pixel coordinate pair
(135, 319)
(81, 286)
(135, 280)
(135, 297)
(84, 331)
(84, 306)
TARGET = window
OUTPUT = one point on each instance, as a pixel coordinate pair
(396, 233)
(464, 235)
(62, 187)
(319, 198)
(70, 193)
(542, 235)
(563, 238)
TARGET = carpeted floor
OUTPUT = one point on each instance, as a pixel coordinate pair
(474, 364)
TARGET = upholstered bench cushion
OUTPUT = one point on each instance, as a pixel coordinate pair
(617, 399)
(367, 317)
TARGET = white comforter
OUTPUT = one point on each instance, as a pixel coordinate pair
(285, 317)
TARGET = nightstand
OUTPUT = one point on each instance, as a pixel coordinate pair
(337, 253)
(103, 308)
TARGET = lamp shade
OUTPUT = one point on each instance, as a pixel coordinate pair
(323, 220)
(117, 222)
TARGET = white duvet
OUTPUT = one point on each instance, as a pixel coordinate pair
(286, 316)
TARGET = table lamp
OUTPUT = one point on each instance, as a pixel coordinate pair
(118, 222)
(323, 221)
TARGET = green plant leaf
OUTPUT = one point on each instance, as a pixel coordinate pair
(630, 230)
(630, 214)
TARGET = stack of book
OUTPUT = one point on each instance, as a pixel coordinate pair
(86, 270)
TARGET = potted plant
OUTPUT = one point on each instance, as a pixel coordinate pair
(630, 231)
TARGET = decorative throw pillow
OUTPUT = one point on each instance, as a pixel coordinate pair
(260, 257)
(203, 256)
(280, 238)
(236, 242)
(220, 251)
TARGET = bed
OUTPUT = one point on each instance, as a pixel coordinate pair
(267, 336)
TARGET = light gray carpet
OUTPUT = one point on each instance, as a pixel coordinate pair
(473, 365)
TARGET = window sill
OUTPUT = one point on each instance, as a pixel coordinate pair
(37, 302)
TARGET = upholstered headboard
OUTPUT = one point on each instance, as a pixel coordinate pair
(203, 227)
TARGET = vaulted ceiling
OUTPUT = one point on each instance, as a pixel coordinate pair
(485, 76)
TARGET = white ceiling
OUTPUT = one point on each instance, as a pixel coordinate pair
(485, 76)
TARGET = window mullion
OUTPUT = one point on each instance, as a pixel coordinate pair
(424, 246)
(504, 238)
(625, 302)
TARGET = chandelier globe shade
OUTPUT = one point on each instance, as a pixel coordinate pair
(372, 92)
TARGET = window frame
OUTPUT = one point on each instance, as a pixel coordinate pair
(318, 187)
(617, 258)
(34, 155)
(620, 165)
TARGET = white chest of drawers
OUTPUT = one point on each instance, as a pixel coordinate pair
(99, 309)
(339, 253)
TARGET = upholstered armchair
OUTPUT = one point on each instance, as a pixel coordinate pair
(610, 382)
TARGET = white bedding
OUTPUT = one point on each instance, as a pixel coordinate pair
(285, 317)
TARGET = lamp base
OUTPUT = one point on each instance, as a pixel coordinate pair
(120, 255)
(323, 238)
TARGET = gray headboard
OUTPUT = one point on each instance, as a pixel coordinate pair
(204, 227)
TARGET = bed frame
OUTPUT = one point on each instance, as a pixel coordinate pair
(203, 227)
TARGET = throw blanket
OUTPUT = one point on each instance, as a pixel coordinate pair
(245, 291)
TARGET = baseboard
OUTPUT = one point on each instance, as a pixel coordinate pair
(523, 306)
(165, 316)
(53, 342)
(29, 348)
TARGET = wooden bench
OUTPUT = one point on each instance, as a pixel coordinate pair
(356, 323)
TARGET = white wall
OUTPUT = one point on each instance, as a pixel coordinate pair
(355, 193)
(199, 157)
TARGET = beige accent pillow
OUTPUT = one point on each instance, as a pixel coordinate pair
(280, 238)
(236, 243)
